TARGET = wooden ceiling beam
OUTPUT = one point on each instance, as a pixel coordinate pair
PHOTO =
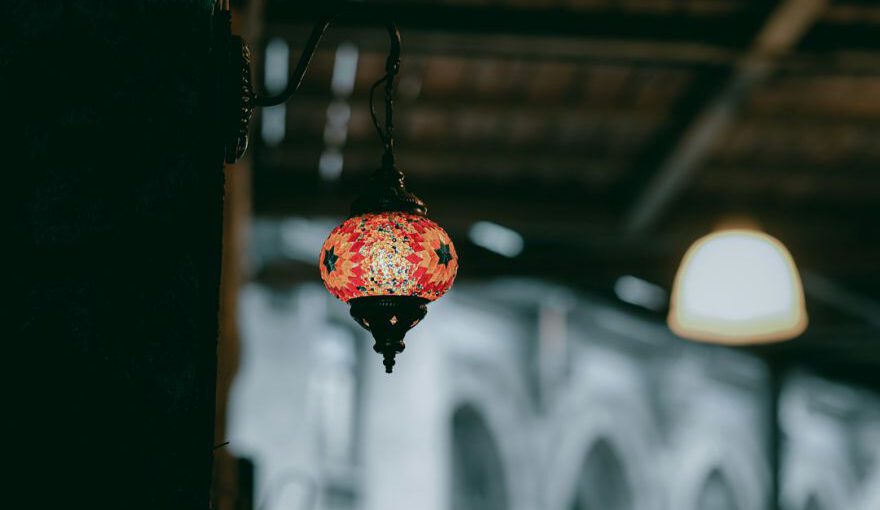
(575, 49)
(783, 29)
(719, 29)
(833, 36)
(595, 33)
(499, 106)
(578, 166)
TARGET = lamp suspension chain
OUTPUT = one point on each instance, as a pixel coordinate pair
(392, 67)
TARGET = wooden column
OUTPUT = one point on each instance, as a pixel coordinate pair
(113, 171)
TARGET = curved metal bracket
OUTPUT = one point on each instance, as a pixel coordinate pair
(240, 90)
(392, 64)
(385, 191)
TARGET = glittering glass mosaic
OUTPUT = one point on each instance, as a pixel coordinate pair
(388, 254)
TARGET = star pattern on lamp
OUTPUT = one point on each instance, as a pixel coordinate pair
(443, 254)
(330, 259)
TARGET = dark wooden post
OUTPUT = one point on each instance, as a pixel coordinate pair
(114, 174)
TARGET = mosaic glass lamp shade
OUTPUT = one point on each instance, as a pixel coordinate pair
(388, 261)
(388, 254)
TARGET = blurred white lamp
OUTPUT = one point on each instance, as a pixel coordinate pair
(737, 287)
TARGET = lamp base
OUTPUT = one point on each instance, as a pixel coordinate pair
(388, 318)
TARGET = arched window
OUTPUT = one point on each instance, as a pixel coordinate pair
(603, 483)
(477, 472)
(716, 493)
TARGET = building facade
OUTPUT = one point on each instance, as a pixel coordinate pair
(519, 395)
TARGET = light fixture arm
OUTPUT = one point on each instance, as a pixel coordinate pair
(392, 67)
(234, 62)
(302, 66)
(392, 64)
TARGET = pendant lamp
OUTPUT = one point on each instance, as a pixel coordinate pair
(387, 260)
(737, 287)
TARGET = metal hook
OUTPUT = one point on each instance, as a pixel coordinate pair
(392, 64)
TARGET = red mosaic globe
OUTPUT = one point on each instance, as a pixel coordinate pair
(388, 254)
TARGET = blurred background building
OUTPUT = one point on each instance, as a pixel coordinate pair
(573, 150)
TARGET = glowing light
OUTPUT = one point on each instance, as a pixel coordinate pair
(344, 69)
(330, 164)
(636, 291)
(738, 287)
(494, 237)
(274, 119)
(277, 63)
(336, 129)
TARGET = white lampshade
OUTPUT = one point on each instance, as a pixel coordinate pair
(737, 287)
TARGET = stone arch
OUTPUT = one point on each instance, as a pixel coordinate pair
(824, 481)
(603, 483)
(717, 493)
(493, 389)
(734, 458)
(478, 475)
(590, 414)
